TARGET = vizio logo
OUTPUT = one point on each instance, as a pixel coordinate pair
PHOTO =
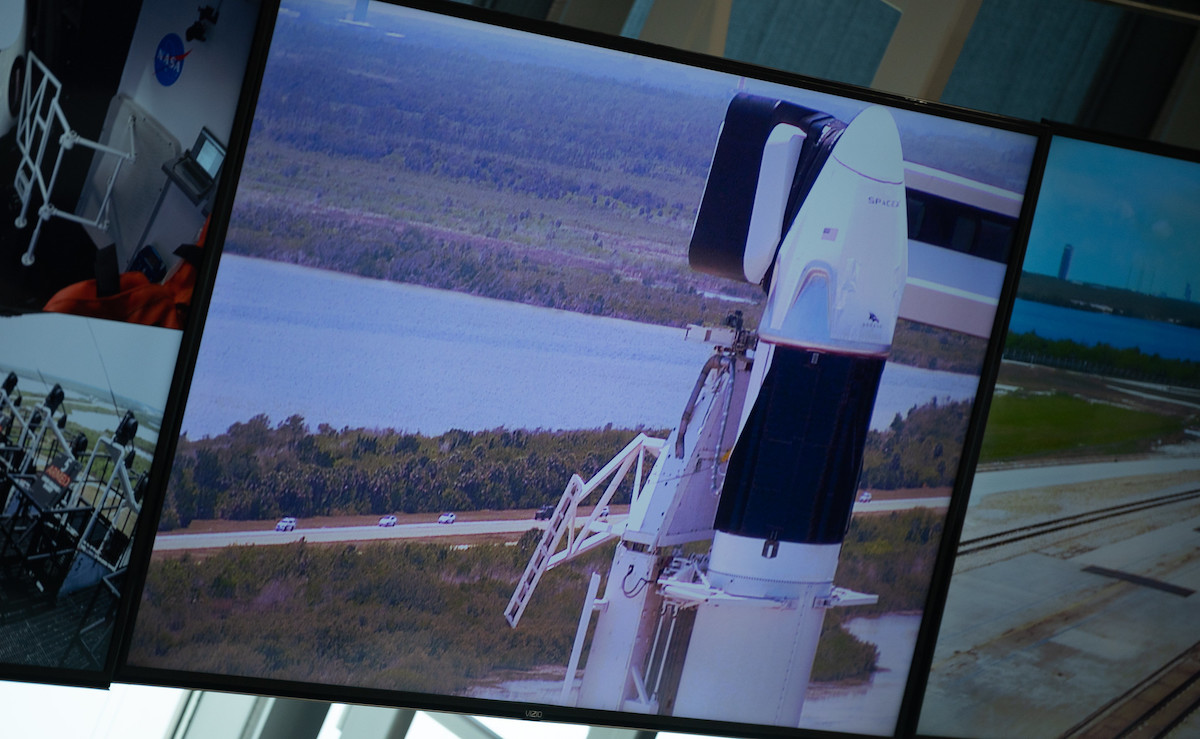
(168, 59)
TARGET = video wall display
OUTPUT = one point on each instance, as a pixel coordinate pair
(1072, 607)
(100, 247)
(542, 374)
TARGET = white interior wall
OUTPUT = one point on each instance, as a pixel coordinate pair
(204, 96)
(12, 47)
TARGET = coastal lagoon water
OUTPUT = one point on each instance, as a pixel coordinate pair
(1167, 340)
(349, 351)
(870, 707)
(867, 707)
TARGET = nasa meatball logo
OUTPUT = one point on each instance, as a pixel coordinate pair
(168, 59)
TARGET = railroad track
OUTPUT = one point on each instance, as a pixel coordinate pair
(1002, 538)
(1153, 708)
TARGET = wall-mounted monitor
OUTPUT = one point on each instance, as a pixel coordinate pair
(99, 256)
(545, 378)
(1072, 607)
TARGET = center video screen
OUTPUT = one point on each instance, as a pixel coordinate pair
(540, 373)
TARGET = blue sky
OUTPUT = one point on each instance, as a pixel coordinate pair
(135, 361)
(1133, 219)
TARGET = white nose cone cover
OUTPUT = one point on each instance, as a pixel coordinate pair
(870, 146)
(843, 264)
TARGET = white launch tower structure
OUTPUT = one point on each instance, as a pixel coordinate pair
(765, 461)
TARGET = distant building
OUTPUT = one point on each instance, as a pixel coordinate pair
(1064, 266)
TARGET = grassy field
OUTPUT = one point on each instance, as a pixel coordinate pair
(1032, 425)
(1053, 413)
(429, 617)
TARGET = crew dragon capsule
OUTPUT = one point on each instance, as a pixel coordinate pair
(814, 210)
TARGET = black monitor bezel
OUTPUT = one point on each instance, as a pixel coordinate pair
(205, 139)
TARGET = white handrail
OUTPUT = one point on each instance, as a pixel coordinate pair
(591, 532)
(40, 111)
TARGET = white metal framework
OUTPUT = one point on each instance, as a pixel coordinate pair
(583, 534)
(40, 118)
(68, 517)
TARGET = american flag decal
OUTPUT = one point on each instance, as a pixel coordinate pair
(829, 234)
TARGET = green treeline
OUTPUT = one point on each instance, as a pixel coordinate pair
(841, 655)
(920, 449)
(429, 617)
(1112, 300)
(1101, 359)
(256, 472)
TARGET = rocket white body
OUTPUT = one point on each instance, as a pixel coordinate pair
(836, 288)
(768, 466)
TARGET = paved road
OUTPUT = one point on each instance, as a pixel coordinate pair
(1036, 642)
(173, 542)
(343, 533)
(900, 504)
(1002, 481)
(168, 542)
(986, 483)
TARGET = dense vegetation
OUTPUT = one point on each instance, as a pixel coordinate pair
(841, 655)
(890, 556)
(429, 617)
(422, 617)
(519, 183)
(1101, 359)
(920, 449)
(929, 347)
(255, 471)
(643, 288)
(559, 181)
